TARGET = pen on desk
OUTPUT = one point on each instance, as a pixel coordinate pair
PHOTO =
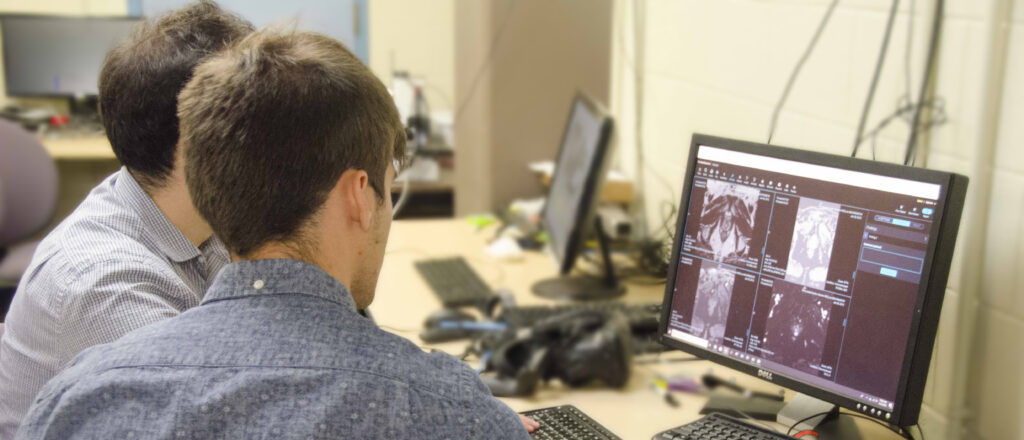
(661, 387)
(683, 383)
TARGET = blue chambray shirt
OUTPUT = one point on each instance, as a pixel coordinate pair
(276, 350)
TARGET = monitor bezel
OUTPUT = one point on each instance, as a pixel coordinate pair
(928, 304)
(7, 63)
(592, 187)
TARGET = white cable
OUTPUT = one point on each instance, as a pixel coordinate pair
(402, 198)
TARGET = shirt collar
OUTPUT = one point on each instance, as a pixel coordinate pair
(155, 224)
(277, 276)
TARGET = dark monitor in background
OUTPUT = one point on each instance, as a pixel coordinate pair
(58, 56)
(820, 273)
(568, 214)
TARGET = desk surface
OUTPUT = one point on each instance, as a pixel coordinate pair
(79, 148)
(404, 301)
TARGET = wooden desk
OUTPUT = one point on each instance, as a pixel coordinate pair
(79, 148)
(635, 412)
(82, 163)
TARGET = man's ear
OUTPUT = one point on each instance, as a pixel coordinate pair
(357, 196)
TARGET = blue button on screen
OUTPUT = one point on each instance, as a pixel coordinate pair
(888, 272)
(901, 222)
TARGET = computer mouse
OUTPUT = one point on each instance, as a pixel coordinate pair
(445, 325)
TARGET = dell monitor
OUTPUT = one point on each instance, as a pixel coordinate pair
(47, 56)
(820, 273)
(568, 214)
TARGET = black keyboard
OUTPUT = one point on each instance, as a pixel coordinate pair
(567, 422)
(716, 426)
(454, 282)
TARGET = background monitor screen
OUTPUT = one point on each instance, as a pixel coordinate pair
(806, 271)
(58, 56)
(577, 170)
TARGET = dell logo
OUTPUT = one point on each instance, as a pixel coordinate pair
(766, 375)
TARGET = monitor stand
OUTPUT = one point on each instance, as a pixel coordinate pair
(829, 426)
(585, 287)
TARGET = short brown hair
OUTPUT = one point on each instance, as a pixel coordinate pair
(141, 78)
(269, 126)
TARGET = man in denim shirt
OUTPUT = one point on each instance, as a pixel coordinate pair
(289, 143)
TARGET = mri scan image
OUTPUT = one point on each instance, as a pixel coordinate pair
(711, 308)
(797, 327)
(727, 222)
(813, 235)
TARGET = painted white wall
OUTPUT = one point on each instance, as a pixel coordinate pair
(417, 37)
(338, 19)
(719, 67)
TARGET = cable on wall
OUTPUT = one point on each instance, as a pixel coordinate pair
(874, 79)
(799, 66)
(488, 60)
(933, 45)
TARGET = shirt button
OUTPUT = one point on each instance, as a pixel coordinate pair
(258, 284)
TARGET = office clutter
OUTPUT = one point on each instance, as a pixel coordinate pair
(576, 348)
(426, 182)
(522, 347)
(617, 186)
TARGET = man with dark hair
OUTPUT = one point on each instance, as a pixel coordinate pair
(291, 145)
(135, 251)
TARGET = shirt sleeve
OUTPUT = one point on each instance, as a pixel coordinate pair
(111, 299)
(493, 418)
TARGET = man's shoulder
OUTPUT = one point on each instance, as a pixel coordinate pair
(84, 251)
(434, 391)
(379, 358)
(102, 232)
(436, 373)
(99, 243)
(100, 229)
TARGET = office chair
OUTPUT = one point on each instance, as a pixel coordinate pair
(28, 198)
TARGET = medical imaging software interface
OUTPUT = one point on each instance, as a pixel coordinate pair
(804, 270)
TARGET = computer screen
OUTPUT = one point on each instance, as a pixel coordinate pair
(578, 174)
(822, 273)
(57, 56)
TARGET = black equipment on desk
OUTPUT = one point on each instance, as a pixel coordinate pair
(717, 426)
(576, 348)
(642, 319)
(454, 282)
(567, 422)
(449, 325)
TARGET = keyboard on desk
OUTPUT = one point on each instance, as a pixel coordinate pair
(454, 282)
(717, 426)
(566, 422)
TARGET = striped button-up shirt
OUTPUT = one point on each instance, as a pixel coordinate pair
(275, 351)
(114, 265)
